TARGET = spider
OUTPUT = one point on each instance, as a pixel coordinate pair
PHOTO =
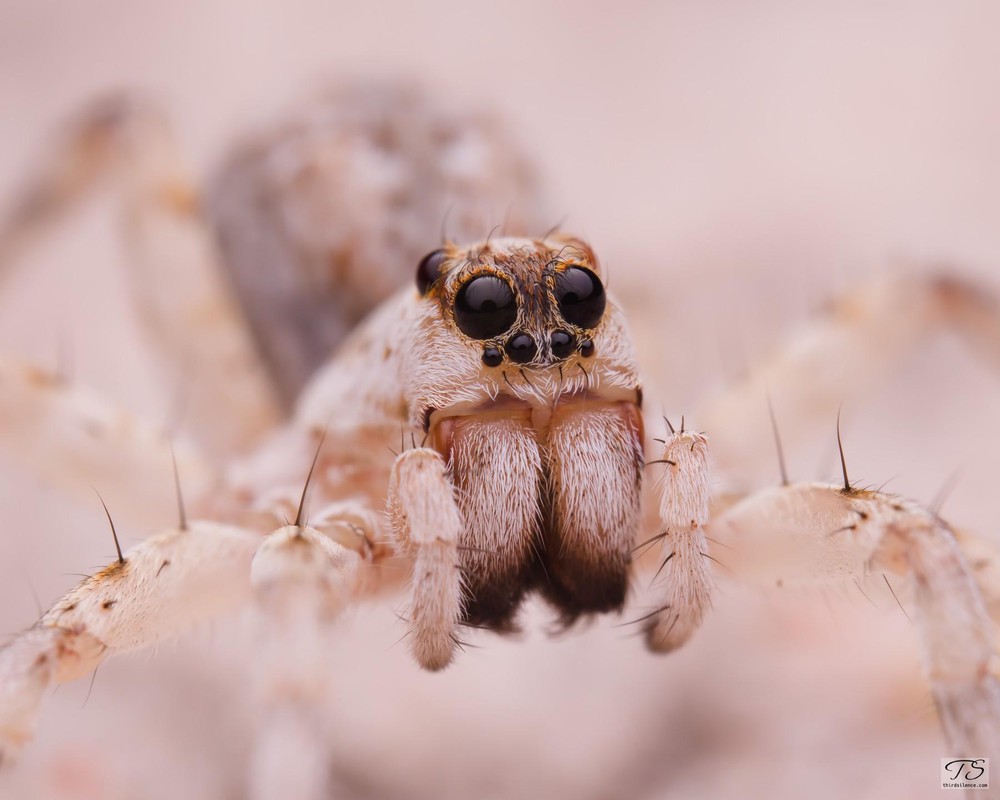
(494, 410)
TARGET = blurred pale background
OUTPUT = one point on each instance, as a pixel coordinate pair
(734, 164)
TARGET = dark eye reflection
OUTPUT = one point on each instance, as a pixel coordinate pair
(429, 270)
(485, 307)
(581, 297)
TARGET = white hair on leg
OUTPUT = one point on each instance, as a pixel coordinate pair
(427, 524)
(160, 588)
(683, 488)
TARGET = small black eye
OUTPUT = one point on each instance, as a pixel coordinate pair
(521, 348)
(485, 307)
(429, 269)
(581, 297)
(562, 344)
(492, 357)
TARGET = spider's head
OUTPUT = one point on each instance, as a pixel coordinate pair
(526, 320)
(518, 366)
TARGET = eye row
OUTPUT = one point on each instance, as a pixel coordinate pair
(486, 306)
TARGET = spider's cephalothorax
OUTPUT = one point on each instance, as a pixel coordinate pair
(522, 373)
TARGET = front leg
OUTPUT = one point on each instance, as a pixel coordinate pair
(426, 522)
(683, 489)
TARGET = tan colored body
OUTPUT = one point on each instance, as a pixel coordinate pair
(545, 460)
(498, 481)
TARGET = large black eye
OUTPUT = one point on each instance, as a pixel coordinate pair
(485, 307)
(580, 295)
(429, 269)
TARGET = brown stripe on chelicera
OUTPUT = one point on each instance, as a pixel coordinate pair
(587, 558)
(496, 471)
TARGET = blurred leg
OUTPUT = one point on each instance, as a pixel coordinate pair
(818, 535)
(854, 345)
(178, 285)
(72, 438)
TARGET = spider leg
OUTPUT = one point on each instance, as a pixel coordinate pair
(176, 278)
(683, 492)
(852, 346)
(72, 438)
(302, 582)
(427, 524)
(161, 587)
(816, 534)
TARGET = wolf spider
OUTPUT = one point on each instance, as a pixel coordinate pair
(495, 411)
